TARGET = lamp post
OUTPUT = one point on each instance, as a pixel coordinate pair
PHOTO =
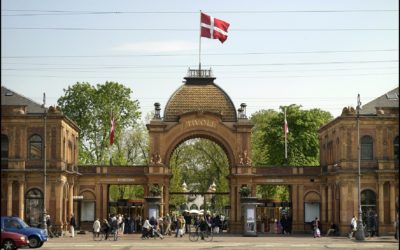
(360, 228)
(44, 164)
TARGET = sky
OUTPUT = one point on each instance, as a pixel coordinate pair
(317, 54)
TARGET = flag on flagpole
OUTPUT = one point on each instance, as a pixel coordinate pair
(112, 129)
(286, 131)
(213, 28)
(285, 126)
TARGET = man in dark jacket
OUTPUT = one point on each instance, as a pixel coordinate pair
(72, 225)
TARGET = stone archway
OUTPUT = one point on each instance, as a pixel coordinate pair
(201, 109)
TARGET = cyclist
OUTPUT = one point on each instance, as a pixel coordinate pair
(203, 226)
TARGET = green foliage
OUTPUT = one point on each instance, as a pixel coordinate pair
(126, 192)
(268, 142)
(273, 192)
(90, 107)
(199, 162)
(303, 145)
(244, 191)
(133, 147)
(155, 190)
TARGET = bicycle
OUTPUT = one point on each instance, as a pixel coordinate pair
(207, 235)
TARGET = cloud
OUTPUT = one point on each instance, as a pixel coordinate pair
(161, 46)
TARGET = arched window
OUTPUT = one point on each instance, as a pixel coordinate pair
(395, 147)
(34, 207)
(367, 148)
(35, 147)
(4, 150)
(368, 203)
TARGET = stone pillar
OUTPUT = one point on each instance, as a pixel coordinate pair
(166, 199)
(105, 200)
(343, 206)
(300, 204)
(392, 203)
(380, 207)
(71, 200)
(330, 219)
(9, 198)
(98, 201)
(21, 200)
(59, 204)
(294, 205)
(323, 205)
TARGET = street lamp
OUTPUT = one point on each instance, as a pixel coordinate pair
(360, 228)
(44, 164)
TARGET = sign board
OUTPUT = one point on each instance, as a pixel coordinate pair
(77, 197)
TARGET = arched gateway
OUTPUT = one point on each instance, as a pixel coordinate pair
(201, 109)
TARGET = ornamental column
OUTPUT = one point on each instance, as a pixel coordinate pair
(392, 203)
(71, 200)
(343, 206)
(21, 200)
(105, 200)
(323, 205)
(9, 198)
(329, 204)
(380, 207)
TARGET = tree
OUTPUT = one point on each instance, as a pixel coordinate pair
(133, 147)
(199, 162)
(303, 144)
(268, 144)
(90, 107)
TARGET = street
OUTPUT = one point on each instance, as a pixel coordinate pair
(225, 241)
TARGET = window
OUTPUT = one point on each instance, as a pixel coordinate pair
(4, 150)
(34, 207)
(12, 224)
(395, 148)
(366, 148)
(368, 203)
(35, 147)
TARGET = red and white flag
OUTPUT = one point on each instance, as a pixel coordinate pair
(112, 129)
(285, 127)
(213, 28)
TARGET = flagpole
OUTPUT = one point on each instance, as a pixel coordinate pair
(200, 47)
(109, 148)
(285, 137)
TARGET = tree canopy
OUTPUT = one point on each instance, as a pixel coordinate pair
(303, 145)
(90, 107)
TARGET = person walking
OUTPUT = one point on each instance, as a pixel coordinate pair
(353, 226)
(371, 223)
(72, 225)
(167, 221)
(96, 228)
(105, 228)
(49, 227)
(317, 232)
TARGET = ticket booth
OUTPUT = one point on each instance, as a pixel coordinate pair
(249, 208)
(153, 205)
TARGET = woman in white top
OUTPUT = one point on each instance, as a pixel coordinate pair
(96, 228)
(353, 225)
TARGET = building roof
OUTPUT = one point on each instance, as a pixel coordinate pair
(200, 94)
(11, 98)
(388, 100)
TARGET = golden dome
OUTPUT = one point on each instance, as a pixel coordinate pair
(200, 94)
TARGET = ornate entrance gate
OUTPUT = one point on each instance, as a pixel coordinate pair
(201, 109)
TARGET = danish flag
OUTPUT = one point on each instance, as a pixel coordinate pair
(112, 129)
(213, 28)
